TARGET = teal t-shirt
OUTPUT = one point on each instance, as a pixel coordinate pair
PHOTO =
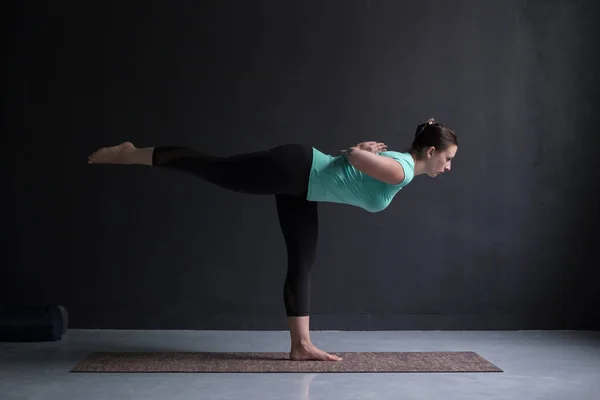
(333, 179)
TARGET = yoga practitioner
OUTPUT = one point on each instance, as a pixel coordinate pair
(366, 175)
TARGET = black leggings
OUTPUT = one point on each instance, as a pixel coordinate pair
(282, 171)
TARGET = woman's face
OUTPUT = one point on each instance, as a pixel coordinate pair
(439, 162)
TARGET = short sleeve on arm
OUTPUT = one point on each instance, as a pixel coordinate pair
(407, 163)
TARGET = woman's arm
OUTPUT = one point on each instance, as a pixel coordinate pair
(382, 168)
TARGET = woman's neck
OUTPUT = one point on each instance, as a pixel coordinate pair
(419, 164)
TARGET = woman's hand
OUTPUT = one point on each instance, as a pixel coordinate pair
(373, 147)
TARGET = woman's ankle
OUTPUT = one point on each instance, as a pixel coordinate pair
(142, 156)
(301, 343)
(299, 331)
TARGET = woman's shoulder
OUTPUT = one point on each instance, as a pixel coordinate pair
(399, 155)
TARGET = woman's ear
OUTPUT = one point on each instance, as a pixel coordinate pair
(430, 152)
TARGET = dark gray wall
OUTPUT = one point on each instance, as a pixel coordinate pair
(506, 241)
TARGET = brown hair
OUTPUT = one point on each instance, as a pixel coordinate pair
(432, 134)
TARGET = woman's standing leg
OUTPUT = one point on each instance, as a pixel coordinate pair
(300, 225)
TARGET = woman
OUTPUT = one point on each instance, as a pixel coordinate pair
(299, 177)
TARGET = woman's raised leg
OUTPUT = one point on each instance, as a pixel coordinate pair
(283, 169)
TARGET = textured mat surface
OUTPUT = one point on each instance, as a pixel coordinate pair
(279, 362)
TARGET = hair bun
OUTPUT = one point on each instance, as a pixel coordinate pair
(420, 128)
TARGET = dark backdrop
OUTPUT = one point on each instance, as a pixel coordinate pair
(507, 240)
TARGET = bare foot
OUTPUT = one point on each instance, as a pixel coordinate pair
(113, 155)
(309, 352)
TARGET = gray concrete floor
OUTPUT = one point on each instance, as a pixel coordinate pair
(537, 365)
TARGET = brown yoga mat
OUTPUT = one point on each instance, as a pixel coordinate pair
(458, 361)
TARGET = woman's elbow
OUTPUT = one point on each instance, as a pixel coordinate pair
(391, 177)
